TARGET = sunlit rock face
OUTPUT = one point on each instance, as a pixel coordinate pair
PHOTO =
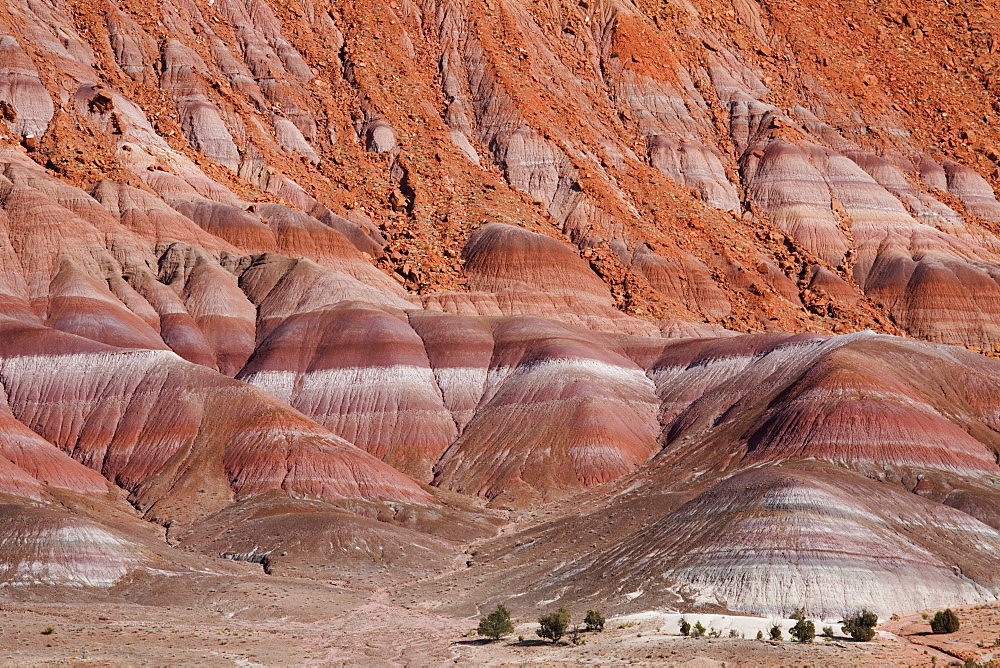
(370, 275)
(766, 539)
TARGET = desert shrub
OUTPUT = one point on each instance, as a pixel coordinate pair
(775, 632)
(828, 631)
(861, 627)
(48, 630)
(698, 630)
(733, 633)
(760, 635)
(554, 625)
(594, 620)
(945, 621)
(803, 631)
(685, 627)
(496, 624)
(972, 663)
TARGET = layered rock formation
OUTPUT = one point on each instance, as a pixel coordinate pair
(327, 285)
(779, 488)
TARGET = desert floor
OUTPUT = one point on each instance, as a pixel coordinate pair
(270, 621)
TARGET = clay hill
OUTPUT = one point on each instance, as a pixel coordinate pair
(645, 305)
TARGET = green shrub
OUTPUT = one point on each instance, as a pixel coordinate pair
(760, 635)
(945, 621)
(594, 620)
(685, 627)
(972, 663)
(698, 630)
(828, 631)
(803, 631)
(861, 627)
(775, 632)
(496, 624)
(554, 624)
(48, 630)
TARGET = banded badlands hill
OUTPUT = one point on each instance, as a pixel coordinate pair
(643, 305)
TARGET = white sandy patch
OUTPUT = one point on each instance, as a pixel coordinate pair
(668, 623)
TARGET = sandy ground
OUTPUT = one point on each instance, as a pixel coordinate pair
(272, 622)
(358, 631)
(977, 639)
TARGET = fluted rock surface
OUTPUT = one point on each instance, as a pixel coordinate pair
(563, 410)
(341, 280)
(819, 539)
(736, 511)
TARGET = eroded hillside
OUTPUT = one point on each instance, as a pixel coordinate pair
(347, 289)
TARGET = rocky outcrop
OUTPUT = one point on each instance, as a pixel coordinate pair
(26, 105)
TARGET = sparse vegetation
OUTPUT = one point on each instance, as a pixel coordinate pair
(685, 627)
(48, 630)
(828, 631)
(575, 637)
(972, 663)
(760, 635)
(861, 627)
(628, 625)
(554, 625)
(496, 624)
(733, 633)
(776, 632)
(945, 621)
(803, 631)
(698, 630)
(594, 620)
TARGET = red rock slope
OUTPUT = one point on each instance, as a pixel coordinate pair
(340, 264)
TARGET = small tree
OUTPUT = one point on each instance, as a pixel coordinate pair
(945, 622)
(776, 632)
(554, 624)
(698, 630)
(803, 631)
(828, 631)
(594, 620)
(496, 624)
(685, 627)
(861, 627)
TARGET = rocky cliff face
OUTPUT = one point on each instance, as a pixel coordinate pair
(296, 279)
